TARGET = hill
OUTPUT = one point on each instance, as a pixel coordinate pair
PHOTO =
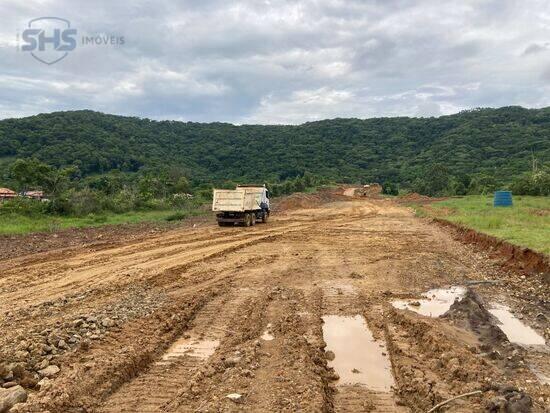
(496, 142)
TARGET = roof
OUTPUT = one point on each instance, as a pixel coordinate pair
(34, 193)
(6, 191)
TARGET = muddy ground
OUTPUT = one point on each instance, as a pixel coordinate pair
(211, 319)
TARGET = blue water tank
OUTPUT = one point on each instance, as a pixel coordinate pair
(503, 199)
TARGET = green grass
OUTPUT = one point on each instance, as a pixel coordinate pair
(527, 223)
(20, 224)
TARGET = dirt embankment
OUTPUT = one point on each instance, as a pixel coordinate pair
(232, 319)
(524, 259)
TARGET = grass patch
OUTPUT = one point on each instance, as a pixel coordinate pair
(526, 223)
(20, 224)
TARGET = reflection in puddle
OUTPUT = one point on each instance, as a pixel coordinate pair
(437, 301)
(359, 359)
(191, 347)
(267, 336)
(515, 330)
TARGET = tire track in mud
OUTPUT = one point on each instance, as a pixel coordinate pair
(88, 277)
(233, 358)
(341, 298)
(162, 382)
(98, 369)
(275, 361)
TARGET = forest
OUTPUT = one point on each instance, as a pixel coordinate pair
(87, 153)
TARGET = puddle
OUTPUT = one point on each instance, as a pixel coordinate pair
(436, 302)
(267, 336)
(192, 347)
(515, 330)
(359, 358)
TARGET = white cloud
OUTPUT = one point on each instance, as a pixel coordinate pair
(283, 61)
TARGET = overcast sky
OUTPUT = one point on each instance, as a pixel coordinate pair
(277, 61)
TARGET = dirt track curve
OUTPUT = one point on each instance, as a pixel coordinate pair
(176, 322)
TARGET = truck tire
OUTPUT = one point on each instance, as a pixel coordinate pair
(252, 219)
(247, 220)
(265, 216)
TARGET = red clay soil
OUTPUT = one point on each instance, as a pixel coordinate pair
(521, 258)
(303, 200)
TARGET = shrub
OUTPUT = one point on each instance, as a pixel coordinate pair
(23, 206)
(177, 216)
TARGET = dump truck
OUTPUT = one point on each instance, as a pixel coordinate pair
(244, 205)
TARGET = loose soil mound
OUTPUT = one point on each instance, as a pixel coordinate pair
(302, 200)
(471, 314)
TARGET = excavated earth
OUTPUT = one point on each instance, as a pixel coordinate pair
(262, 319)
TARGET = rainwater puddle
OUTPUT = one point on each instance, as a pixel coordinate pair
(359, 358)
(436, 302)
(515, 330)
(267, 336)
(193, 347)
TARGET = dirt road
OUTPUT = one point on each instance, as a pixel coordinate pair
(287, 316)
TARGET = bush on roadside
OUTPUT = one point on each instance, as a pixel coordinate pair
(23, 206)
(535, 183)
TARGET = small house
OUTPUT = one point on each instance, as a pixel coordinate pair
(6, 194)
(39, 195)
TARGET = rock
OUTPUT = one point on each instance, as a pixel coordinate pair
(415, 303)
(541, 317)
(29, 382)
(44, 383)
(62, 344)
(9, 384)
(248, 373)
(107, 322)
(43, 364)
(10, 397)
(333, 376)
(18, 370)
(235, 397)
(21, 355)
(232, 361)
(49, 371)
(78, 322)
(329, 355)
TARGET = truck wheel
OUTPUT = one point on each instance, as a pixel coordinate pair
(265, 216)
(252, 219)
(247, 220)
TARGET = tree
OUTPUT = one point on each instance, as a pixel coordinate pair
(389, 188)
(29, 173)
(182, 185)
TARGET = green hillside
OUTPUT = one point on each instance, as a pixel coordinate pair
(495, 142)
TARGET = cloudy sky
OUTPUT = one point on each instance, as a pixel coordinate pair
(281, 61)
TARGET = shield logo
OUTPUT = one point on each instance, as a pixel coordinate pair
(49, 39)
